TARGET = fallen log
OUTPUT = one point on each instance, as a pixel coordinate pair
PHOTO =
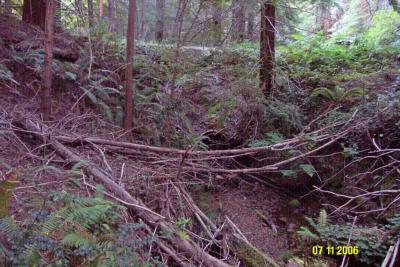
(187, 246)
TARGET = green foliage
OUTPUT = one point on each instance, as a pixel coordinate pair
(286, 117)
(317, 61)
(6, 74)
(6, 188)
(289, 173)
(373, 241)
(294, 203)
(339, 94)
(182, 223)
(80, 232)
(270, 139)
(384, 29)
(308, 168)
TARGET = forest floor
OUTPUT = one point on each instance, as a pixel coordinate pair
(265, 213)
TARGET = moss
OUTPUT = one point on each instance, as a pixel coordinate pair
(250, 256)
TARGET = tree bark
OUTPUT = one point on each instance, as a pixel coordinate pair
(238, 20)
(90, 13)
(216, 13)
(57, 15)
(100, 8)
(186, 246)
(250, 25)
(160, 9)
(110, 15)
(78, 7)
(267, 46)
(130, 42)
(34, 12)
(48, 61)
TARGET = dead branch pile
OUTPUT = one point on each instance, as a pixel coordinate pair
(173, 168)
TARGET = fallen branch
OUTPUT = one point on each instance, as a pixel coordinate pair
(190, 248)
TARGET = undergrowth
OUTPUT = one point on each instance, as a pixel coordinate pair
(70, 230)
(372, 241)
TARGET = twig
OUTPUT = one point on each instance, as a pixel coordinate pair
(348, 242)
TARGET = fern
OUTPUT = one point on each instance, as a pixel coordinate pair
(323, 220)
(339, 94)
(6, 74)
(304, 231)
(9, 228)
(75, 239)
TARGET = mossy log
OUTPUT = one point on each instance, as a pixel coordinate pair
(249, 255)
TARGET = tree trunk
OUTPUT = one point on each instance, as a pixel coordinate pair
(142, 22)
(250, 25)
(90, 13)
(130, 42)
(34, 12)
(238, 20)
(216, 13)
(323, 18)
(110, 15)
(180, 14)
(267, 46)
(78, 7)
(57, 15)
(100, 8)
(45, 104)
(160, 9)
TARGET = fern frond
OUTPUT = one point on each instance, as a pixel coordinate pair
(9, 228)
(304, 231)
(75, 239)
(89, 215)
(323, 219)
(311, 222)
(355, 92)
(324, 92)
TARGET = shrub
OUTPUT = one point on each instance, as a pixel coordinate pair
(384, 29)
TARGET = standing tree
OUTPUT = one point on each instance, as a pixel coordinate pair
(130, 42)
(100, 8)
(45, 104)
(90, 13)
(34, 12)
(160, 9)
(216, 27)
(267, 45)
(57, 15)
(110, 16)
(238, 20)
(250, 25)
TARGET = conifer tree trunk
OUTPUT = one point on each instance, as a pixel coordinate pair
(267, 46)
(216, 13)
(160, 9)
(111, 16)
(250, 25)
(238, 20)
(90, 13)
(130, 42)
(100, 8)
(45, 104)
(34, 12)
(57, 15)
